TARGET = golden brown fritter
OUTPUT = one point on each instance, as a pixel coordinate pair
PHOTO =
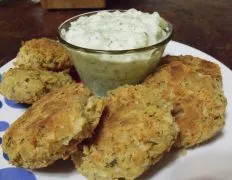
(52, 127)
(27, 86)
(134, 133)
(44, 54)
(196, 64)
(195, 87)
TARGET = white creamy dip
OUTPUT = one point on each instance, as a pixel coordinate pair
(116, 30)
(107, 30)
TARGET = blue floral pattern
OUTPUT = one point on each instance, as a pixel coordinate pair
(4, 125)
(16, 174)
(14, 104)
(5, 156)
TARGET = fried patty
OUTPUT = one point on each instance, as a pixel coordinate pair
(44, 54)
(52, 127)
(197, 65)
(135, 131)
(27, 86)
(195, 87)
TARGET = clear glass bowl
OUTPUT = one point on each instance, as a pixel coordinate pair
(103, 70)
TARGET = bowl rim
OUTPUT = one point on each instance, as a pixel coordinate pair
(156, 45)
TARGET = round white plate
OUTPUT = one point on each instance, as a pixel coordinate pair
(212, 160)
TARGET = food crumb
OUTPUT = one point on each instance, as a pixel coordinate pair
(183, 152)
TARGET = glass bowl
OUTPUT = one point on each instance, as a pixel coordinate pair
(103, 70)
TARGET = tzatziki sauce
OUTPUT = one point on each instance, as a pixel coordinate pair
(99, 37)
(116, 30)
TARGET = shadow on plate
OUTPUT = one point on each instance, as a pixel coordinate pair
(172, 156)
(169, 158)
(74, 74)
(60, 166)
(210, 141)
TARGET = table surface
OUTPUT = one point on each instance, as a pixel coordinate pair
(205, 25)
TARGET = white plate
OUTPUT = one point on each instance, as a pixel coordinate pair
(212, 160)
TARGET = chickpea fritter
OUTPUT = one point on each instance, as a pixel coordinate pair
(134, 133)
(43, 54)
(196, 89)
(28, 85)
(52, 127)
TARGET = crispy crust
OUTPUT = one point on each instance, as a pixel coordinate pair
(195, 87)
(52, 127)
(197, 65)
(44, 54)
(136, 131)
(27, 86)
